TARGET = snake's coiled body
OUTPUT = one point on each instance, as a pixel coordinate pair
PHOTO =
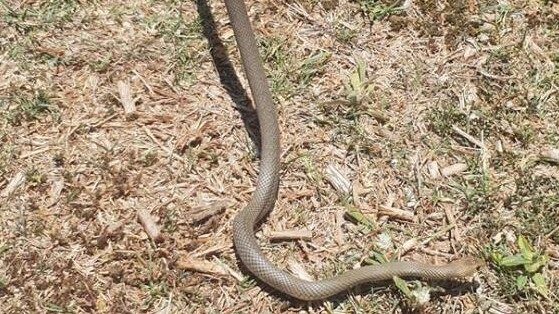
(265, 195)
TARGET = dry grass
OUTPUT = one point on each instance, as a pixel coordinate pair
(464, 88)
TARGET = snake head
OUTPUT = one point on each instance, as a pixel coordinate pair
(467, 266)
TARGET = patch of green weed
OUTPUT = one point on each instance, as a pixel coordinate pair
(29, 109)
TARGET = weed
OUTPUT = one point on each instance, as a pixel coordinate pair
(358, 87)
(276, 57)
(247, 283)
(344, 34)
(185, 65)
(357, 216)
(184, 35)
(311, 66)
(149, 158)
(31, 109)
(101, 65)
(522, 271)
(34, 177)
(156, 291)
(289, 77)
(376, 10)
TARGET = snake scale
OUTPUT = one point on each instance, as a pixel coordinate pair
(266, 191)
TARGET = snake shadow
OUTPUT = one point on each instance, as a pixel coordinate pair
(228, 76)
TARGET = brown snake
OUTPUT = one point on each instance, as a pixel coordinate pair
(265, 195)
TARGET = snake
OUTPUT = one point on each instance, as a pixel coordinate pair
(266, 193)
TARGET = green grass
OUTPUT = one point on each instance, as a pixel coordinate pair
(45, 15)
(102, 64)
(536, 204)
(378, 9)
(183, 39)
(345, 34)
(149, 158)
(32, 108)
(290, 75)
(8, 154)
(156, 291)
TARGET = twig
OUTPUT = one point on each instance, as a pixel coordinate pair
(450, 217)
(230, 270)
(286, 235)
(213, 250)
(380, 116)
(446, 229)
(396, 213)
(103, 121)
(467, 136)
(168, 151)
(552, 232)
(434, 171)
(143, 81)
(35, 152)
(435, 252)
(494, 76)
(407, 246)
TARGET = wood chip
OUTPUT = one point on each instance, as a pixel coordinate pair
(551, 155)
(199, 265)
(115, 227)
(17, 181)
(57, 185)
(338, 180)
(384, 132)
(150, 227)
(434, 171)
(213, 250)
(338, 227)
(298, 270)
(407, 246)
(202, 214)
(552, 232)
(237, 275)
(163, 147)
(390, 200)
(396, 213)
(126, 100)
(499, 147)
(287, 235)
(379, 115)
(454, 169)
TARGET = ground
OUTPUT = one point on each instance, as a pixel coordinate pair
(411, 130)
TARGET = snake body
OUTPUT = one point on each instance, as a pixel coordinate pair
(265, 195)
